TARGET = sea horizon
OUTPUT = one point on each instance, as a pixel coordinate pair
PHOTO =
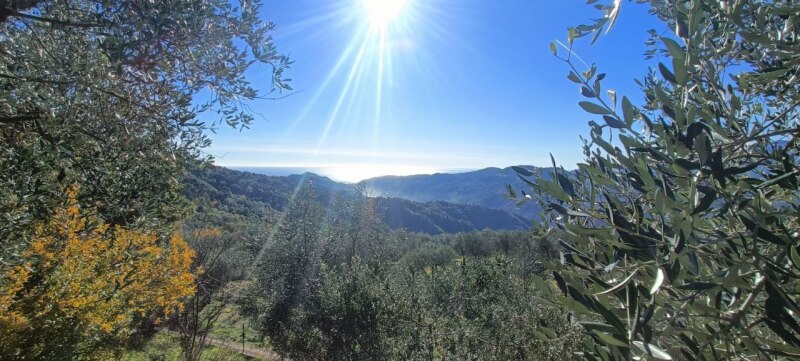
(340, 174)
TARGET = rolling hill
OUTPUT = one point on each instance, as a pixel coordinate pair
(485, 187)
(249, 194)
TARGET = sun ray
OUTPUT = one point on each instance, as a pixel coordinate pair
(275, 227)
(365, 70)
(323, 87)
(378, 92)
(348, 85)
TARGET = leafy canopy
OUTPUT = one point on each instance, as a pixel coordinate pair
(108, 95)
(681, 226)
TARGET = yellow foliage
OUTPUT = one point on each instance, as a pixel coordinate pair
(82, 275)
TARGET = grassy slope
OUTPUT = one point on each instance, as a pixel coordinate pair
(165, 347)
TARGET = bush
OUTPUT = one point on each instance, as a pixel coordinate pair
(83, 285)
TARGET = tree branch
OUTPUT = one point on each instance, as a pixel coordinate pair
(12, 6)
(18, 14)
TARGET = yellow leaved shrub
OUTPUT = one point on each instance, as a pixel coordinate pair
(82, 282)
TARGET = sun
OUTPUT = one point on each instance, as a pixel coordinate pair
(382, 12)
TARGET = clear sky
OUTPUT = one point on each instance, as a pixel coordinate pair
(418, 86)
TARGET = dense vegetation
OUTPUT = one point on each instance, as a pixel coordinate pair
(101, 97)
(339, 285)
(78, 291)
(680, 234)
(332, 280)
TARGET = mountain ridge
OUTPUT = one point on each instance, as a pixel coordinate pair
(484, 187)
(247, 193)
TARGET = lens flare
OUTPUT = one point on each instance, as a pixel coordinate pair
(388, 39)
(382, 12)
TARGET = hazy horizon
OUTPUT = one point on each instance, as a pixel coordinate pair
(344, 174)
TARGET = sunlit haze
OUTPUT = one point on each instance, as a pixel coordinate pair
(417, 86)
(382, 12)
(355, 172)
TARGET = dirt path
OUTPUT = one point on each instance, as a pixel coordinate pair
(248, 351)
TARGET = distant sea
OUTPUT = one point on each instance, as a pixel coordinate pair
(330, 172)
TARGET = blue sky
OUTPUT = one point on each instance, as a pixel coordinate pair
(445, 84)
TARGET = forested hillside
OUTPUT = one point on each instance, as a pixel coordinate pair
(325, 277)
(246, 194)
(485, 187)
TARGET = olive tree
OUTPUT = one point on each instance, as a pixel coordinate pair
(680, 228)
(116, 96)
